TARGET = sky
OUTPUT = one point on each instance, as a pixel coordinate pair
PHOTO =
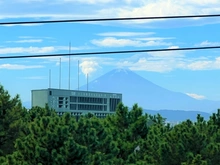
(195, 73)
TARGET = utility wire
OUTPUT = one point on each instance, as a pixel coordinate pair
(111, 52)
(108, 19)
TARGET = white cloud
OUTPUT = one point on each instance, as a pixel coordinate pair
(19, 67)
(114, 42)
(155, 38)
(155, 8)
(75, 9)
(153, 62)
(169, 7)
(89, 1)
(146, 65)
(45, 16)
(97, 59)
(152, 8)
(32, 50)
(39, 50)
(202, 2)
(26, 41)
(26, 24)
(204, 64)
(173, 47)
(200, 65)
(196, 96)
(88, 67)
(168, 61)
(30, 1)
(165, 55)
(125, 34)
(207, 43)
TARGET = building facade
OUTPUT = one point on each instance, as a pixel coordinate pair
(77, 102)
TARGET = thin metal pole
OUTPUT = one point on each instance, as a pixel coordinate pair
(78, 74)
(69, 63)
(50, 78)
(60, 75)
(87, 81)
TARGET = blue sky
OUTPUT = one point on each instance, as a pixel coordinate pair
(195, 73)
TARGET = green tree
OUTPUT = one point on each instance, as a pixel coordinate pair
(97, 137)
(11, 115)
(50, 140)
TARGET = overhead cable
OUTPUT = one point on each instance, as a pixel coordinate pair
(111, 52)
(107, 19)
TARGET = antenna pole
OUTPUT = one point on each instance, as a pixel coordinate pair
(60, 75)
(69, 63)
(87, 81)
(78, 74)
(50, 78)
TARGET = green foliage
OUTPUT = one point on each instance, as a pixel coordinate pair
(38, 112)
(129, 137)
(51, 141)
(11, 115)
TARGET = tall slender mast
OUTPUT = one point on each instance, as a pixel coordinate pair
(69, 63)
(60, 75)
(50, 78)
(78, 74)
(87, 81)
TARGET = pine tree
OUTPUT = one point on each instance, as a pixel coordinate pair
(11, 115)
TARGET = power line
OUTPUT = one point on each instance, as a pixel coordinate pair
(112, 52)
(108, 19)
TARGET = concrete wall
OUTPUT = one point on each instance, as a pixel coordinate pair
(39, 98)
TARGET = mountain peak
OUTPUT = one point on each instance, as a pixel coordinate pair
(136, 89)
(122, 70)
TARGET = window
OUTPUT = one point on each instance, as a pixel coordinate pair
(61, 102)
(88, 107)
(61, 98)
(88, 100)
(105, 101)
(50, 93)
(113, 104)
(73, 99)
(73, 107)
(105, 108)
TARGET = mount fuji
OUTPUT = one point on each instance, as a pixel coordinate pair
(136, 89)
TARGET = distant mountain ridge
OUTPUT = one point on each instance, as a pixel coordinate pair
(178, 115)
(136, 89)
